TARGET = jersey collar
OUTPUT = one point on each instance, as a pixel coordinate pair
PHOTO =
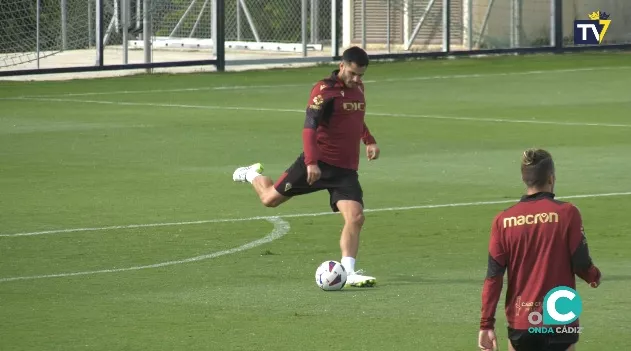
(538, 196)
(336, 79)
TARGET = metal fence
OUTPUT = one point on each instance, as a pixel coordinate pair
(51, 36)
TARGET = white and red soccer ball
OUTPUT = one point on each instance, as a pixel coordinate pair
(330, 276)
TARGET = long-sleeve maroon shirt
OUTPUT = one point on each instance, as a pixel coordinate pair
(541, 243)
(334, 124)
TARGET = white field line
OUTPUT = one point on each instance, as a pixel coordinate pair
(419, 78)
(297, 215)
(404, 115)
(281, 227)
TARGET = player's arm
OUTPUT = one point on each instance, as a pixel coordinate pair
(582, 263)
(319, 108)
(494, 280)
(372, 150)
(367, 138)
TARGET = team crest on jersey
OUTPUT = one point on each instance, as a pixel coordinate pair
(322, 87)
(342, 92)
(317, 101)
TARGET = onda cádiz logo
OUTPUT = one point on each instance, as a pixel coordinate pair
(561, 306)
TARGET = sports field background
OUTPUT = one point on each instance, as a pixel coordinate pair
(100, 178)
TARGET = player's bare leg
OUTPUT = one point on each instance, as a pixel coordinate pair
(263, 185)
(353, 214)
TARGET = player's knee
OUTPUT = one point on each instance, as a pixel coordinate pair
(356, 219)
(269, 201)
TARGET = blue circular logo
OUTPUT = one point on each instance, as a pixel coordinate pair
(562, 305)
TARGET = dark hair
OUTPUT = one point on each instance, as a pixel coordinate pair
(357, 55)
(536, 167)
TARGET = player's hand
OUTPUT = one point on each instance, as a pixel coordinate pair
(487, 341)
(313, 174)
(596, 283)
(372, 151)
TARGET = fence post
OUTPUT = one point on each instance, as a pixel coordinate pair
(518, 22)
(364, 24)
(388, 14)
(99, 32)
(37, 16)
(146, 27)
(334, 29)
(303, 22)
(125, 24)
(315, 19)
(558, 24)
(238, 20)
(469, 23)
(90, 23)
(64, 21)
(220, 19)
(512, 23)
(446, 25)
(213, 22)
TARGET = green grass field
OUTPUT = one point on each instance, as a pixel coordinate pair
(105, 156)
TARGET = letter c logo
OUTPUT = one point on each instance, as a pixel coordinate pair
(562, 305)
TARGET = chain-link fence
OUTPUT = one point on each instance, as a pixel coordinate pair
(401, 26)
(31, 31)
(62, 33)
(619, 12)
(421, 25)
(38, 34)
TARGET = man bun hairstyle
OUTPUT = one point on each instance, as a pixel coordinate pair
(357, 55)
(536, 167)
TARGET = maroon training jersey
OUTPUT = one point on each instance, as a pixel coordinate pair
(334, 124)
(541, 242)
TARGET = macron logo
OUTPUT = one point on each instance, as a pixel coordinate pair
(545, 217)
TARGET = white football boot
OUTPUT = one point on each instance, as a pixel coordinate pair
(239, 173)
(359, 280)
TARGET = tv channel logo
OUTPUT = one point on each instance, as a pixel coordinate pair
(593, 30)
(561, 306)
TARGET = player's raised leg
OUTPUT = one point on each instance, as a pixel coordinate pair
(263, 185)
(353, 213)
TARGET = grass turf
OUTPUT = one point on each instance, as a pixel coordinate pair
(83, 154)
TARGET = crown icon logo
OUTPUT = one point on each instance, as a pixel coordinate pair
(597, 15)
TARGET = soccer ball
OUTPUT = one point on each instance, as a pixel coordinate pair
(331, 275)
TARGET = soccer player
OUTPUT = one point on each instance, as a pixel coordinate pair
(333, 129)
(541, 243)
